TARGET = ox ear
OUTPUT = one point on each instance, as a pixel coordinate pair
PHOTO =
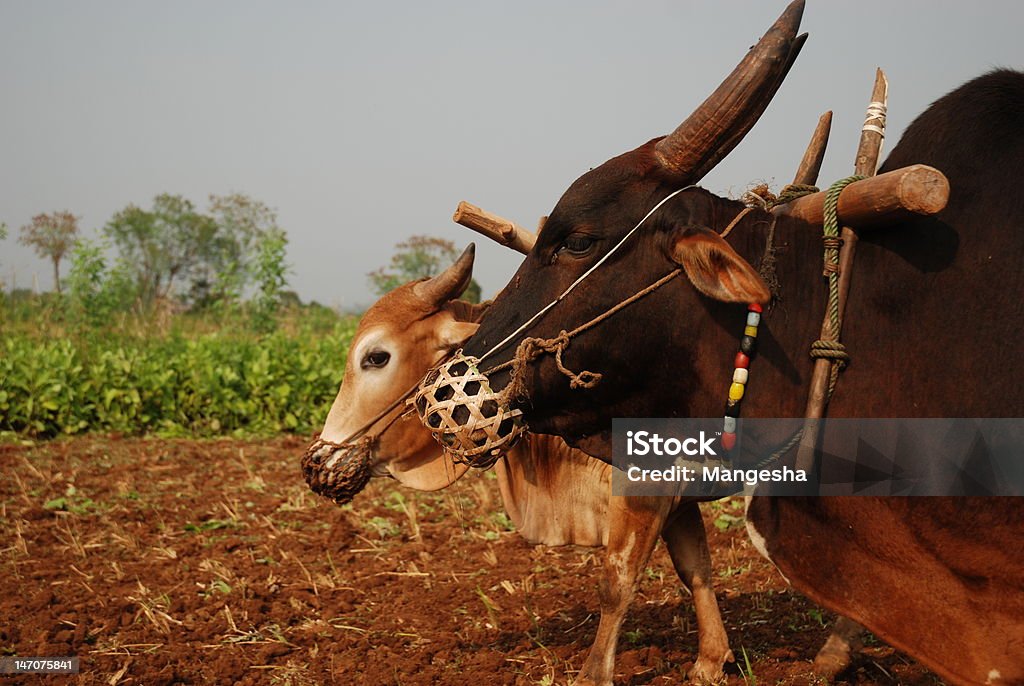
(716, 270)
(454, 333)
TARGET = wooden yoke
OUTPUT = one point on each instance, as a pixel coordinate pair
(498, 229)
(874, 202)
(868, 154)
(878, 200)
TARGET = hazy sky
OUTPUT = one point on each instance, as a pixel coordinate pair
(363, 123)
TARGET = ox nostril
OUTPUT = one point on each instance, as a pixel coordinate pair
(434, 420)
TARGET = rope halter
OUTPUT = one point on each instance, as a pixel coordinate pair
(473, 422)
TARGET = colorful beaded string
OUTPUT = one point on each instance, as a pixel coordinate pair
(748, 345)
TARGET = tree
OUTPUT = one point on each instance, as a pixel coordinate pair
(51, 236)
(177, 250)
(96, 291)
(243, 224)
(164, 243)
(417, 258)
(270, 273)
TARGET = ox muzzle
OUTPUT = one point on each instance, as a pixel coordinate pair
(338, 470)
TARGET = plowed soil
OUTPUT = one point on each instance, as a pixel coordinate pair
(187, 562)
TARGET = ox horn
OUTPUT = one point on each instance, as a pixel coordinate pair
(720, 123)
(450, 283)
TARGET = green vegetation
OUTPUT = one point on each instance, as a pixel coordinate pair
(194, 379)
(178, 321)
(173, 322)
(174, 251)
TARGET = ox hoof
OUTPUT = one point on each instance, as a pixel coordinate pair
(836, 654)
(709, 670)
(829, 664)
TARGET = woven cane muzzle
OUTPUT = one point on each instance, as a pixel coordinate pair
(473, 423)
(337, 471)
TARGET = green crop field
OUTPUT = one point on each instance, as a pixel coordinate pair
(196, 379)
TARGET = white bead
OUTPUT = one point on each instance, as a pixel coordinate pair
(739, 375)
(753, 318)
(730, 425)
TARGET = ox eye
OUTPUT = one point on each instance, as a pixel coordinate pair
(577, 244)
(375, 359)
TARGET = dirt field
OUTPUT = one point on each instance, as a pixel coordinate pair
(166, 562)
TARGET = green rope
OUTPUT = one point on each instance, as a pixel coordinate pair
(792, 192)
(829, 347)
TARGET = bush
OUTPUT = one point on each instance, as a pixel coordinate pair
(208, 384)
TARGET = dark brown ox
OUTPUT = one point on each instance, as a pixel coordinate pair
(933, 326)
(554, 495)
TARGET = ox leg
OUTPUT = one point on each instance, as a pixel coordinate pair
(835, 655)
(688, 546)
(634, 524)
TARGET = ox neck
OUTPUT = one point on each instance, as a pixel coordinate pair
(781, 371)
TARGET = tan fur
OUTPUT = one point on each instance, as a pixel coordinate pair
(553, 494)
(716, 270)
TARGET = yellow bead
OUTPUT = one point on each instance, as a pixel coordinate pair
(750, 331)
(736, 391)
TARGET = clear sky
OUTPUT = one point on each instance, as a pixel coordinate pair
(363, 123)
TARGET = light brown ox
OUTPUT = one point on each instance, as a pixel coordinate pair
(554, 495)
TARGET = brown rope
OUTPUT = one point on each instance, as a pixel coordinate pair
(376, 418)
(762, 197)
(530, 349)
(736, 220)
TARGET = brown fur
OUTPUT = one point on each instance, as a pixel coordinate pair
(932, 326)
(553, 494)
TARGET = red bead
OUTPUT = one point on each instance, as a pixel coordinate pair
(754, 307)
(728, 441)
(742, 361)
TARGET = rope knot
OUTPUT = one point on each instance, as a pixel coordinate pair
(835, 352)
(830, 350)
(530, 349)
(792, 191)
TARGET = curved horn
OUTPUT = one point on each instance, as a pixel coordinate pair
(720, 123)
(450, 283)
